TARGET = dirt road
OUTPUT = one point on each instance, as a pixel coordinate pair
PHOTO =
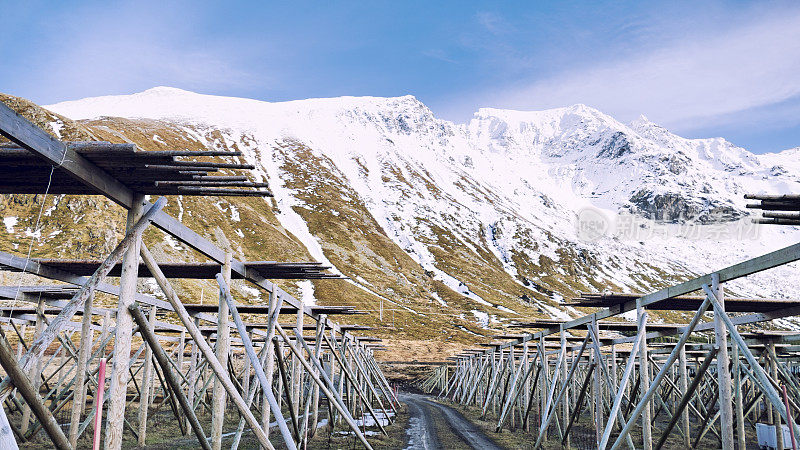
(436, 426)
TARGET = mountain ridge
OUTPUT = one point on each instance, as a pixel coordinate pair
(465, 228)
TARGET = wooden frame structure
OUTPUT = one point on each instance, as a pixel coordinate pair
(642, 390)
(259, 367)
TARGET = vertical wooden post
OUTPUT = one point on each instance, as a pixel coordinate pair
(118, 389)
(684, 386)
(247, 368)
(23, 384)
(223, 348)
(159, 355)
(737, 393)
(598, 387)
(723, 371)
(21, 344)
(340, 387)
(527, 389)
(181, 348)
(315, 393)
(614, 377)
(36, 367)
(776, 416)
(296, 367)
(79, 386)
(147, 383)
(269, 371)
(544, 386)
(644, 376)
(565, 381)
(574, 391)
(7, 440)
(193, 372)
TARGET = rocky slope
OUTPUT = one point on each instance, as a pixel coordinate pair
(454, 230)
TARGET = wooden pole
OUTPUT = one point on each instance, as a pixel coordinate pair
(737, 398)
(687, 396)
(251, 353)
(79, 386)
(98, 402)
(269, 371)
(647, 395)
(683, 383)
(181, 349)
(566, 381)
(36, 368)
(26, 388)
(122, 340)
(67, 311)
(326, 386)
(7, 440)
(598, 394)
(193, 375)
(776, 416)
(315, 394)
(223, 348)
(218, 369)
(626, 375)
(789, 415)
(644, 373)
(173, 381)
(147, 384)
(296, 369)
(723, 370)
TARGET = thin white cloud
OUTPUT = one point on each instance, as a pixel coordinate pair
(439, 54)
(686, 86)
(493, 22)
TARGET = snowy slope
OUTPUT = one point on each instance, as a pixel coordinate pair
(508, 184)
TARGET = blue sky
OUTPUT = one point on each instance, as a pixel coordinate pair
(701, 69)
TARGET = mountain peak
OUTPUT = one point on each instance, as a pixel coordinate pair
(166, 90)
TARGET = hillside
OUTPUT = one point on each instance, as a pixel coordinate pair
(452, 230)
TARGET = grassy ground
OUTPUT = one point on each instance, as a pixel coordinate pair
(163, 432)
(583, 433)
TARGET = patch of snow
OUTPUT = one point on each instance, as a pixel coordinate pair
(307, 292)
(503, 308)
(9, 222)
(481, 318)
(248, 290)
(172, 242)
(57, 127)
(506, 182)
(180, 208)
(234, 213)
(439, 299)
(368, 421)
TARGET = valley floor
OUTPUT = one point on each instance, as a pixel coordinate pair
(433, 425)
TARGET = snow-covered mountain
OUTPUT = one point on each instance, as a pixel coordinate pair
(494, 219)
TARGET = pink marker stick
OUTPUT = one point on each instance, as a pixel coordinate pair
(98, 413)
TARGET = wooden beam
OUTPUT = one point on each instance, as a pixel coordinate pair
(41, 343)
(266, 385)
(118, 388)
(25, 387)
(219, 370)
(24, 133)
(174, 383)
